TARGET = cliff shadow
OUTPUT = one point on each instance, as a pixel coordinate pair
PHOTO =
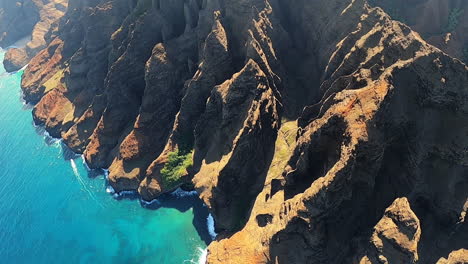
(184, 201)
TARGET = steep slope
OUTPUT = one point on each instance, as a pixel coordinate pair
(315, 132)
(42, 34)
(378, 134)
(443, 23)
(17, 19)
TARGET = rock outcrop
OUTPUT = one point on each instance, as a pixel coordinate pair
(443, 23)
(15, 59)
(17, 19)
(396, 236)
(455, 257)
(43, 30)
(315, 131)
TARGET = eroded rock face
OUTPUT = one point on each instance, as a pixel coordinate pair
(456, 257)
(17, 19)
(396, 236)
(361, 147)
(15, 59)
(233, 138)
(49, 12)
(316, 132)
(442, 23)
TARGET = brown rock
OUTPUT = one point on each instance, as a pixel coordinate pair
(240, 120)
(212, 70)
(54, 111)
(165, 74)
(456, 257)
(442, 23)
(125, 81)
(396, 236)
(49, 14)
(339, 176)
(42, 68)
(15, 59)
(308, 122)
(17, 19)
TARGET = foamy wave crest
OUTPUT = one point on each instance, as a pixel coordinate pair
(153, 202)
(82, 183)
(200, 256)
(50, 140)
(203, 255)
(110, 190)
(26, 105)
(123, 194)
(75, 169)
(40, 130)
(211, 226)
(179, 193)
(85, 164)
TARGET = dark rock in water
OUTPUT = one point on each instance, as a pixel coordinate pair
(68, 153)
(314, 131)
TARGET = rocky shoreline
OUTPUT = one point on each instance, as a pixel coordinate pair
(315, 132)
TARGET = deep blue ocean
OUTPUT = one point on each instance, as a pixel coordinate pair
(54, 210)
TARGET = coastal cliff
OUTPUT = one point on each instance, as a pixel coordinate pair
(17, 19)
(443, 23)
(315, 131)
(35, 19)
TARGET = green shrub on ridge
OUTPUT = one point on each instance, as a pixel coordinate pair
(175, 168)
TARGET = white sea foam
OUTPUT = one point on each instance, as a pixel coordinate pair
(77, 175)
(200, 256)
(85, 164)
(203, 255)
(81, 182)
(110, 190)
(179, 193)
(123, 193)
(155, 201)
(75, 169)
(43, 132)
(211, 226)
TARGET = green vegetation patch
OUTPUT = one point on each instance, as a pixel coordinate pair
(453, 20)
(284, 146)
(175, 168)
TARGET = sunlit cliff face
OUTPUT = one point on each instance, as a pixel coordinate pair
(302, 126)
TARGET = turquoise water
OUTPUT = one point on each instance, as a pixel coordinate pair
(53, 210)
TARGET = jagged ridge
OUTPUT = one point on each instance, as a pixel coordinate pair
(378, 141)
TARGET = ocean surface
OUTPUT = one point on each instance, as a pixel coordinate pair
(54, 210)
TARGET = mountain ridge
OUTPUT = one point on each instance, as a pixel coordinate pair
(315, 132)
